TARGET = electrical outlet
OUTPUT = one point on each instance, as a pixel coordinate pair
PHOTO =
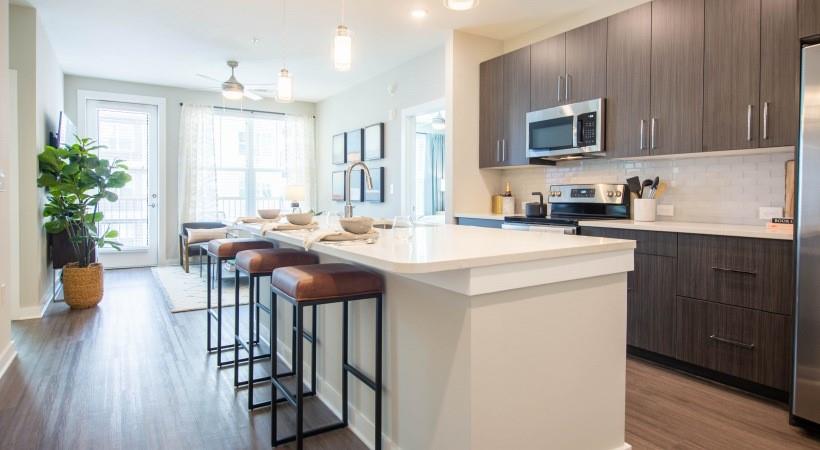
(666, 210)
(769, 212)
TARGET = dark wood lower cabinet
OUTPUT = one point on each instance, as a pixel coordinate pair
(717, 306)
(748, 344)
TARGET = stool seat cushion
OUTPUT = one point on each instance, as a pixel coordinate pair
(228, 248)
(264, 261)
(325, 281)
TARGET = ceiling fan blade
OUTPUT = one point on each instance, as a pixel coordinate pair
(252, 95)
(260, 86)
(209, 78)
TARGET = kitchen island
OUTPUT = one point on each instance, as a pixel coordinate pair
(493, 338)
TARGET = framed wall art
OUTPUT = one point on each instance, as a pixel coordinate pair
(353, 145)
(374, 142)
(339, 151)
(375, 195)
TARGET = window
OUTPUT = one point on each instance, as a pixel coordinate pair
(257, 156)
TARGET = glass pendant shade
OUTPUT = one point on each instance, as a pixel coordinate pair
(460, 5)
(342, 48)
(284, 87)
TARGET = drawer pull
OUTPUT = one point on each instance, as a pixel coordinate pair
(715, 337)
(742, 272)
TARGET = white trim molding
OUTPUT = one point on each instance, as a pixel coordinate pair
(7, 357)
(83, 96)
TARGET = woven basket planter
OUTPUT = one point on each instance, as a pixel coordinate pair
(83, 286)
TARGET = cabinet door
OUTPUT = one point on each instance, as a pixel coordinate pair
(491, 106)
(677, 77)
(629, 46)
(651, 306)
(780, 73)
(586, 62)
(809, 16)
(731, 74)
(547, 73)
(516, 106)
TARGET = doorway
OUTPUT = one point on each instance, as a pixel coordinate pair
(128, 131)
(425, 181)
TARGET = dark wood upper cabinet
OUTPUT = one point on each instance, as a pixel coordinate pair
(491, 107)
(586, 62)
(676, 123)
(779, 73)
(731, 96)
(629, 49)
(516, 107)
(547, 73)
(809, 17)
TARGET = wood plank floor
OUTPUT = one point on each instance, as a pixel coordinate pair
(131, 375)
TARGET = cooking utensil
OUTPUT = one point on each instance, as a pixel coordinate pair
(661, 189)
(644, 185)
(634, 185)
(536, 209)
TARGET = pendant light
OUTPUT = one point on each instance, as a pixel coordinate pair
(233, 89)
(460, 5)
(342, 46)
(284, 84)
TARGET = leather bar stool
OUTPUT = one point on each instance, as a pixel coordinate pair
(222, 250)
(257, 264)
(315, 285)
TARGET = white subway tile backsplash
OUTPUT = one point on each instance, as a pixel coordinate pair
(720, 189)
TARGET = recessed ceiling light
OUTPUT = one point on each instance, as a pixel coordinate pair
(460, 5)
(419, 13)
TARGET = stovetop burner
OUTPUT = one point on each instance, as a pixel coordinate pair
(542, 220)
(570, 203)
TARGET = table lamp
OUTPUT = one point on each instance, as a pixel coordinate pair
(296, 194)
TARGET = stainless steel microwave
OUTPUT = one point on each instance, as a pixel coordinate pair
(568, 131)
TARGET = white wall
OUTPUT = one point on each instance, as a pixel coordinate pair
(418, 81)
(40, 100)
(6, 345)
(173, 96)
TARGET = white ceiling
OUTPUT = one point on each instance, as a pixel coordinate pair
(168, 42)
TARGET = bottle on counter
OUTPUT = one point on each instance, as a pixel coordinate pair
(508, 201)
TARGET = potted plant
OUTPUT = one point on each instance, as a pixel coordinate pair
(76, 180)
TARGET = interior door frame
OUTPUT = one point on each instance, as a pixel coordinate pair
(83, 96)
(408, 148)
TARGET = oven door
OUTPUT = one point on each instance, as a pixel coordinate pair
(557, 229)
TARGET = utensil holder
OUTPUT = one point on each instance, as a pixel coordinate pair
(645, 209)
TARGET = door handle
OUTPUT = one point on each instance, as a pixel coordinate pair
(497, 150)
(568, 88)
(652, 134)
(724, 340)
(643, 123)
(737, 271)
(749, 122)
(560, 82)
(765, 120)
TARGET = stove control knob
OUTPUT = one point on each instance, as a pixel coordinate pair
(610, 194)
(557, 193)
(618, 194)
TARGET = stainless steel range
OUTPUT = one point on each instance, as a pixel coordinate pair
(570, 203)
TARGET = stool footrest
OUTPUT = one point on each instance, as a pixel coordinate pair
(360, 375)
(308, 337)
(244, 383)
(309, 433)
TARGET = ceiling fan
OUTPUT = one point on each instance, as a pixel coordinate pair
(232, 89)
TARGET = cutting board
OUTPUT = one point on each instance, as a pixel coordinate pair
(789, 204)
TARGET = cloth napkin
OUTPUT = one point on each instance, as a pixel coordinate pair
(252, 219)
(338, 236)
(286, 226)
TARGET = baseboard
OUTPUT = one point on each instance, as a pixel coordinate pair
(623, 447)
(360, 425)
(6, 358)
(34, 312)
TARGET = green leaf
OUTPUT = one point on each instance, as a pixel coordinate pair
(111, 233)
(110, 196)
(54, 226)
(47, 180)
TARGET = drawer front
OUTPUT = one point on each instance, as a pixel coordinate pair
(486, 223)
(648, 242)
(753, 273)
(651, 305)
(748, 344)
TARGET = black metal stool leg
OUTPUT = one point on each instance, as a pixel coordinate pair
(250, 341)
(218, 312)
(345, 318)
(237, 334)
(273, 367)
(208, 310)
(313, 350)
(299, 378)
(258, 292)
(378, 438)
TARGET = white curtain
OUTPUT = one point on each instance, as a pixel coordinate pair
(299, 155)
(197, 164)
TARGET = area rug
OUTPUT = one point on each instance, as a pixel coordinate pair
(188, 292)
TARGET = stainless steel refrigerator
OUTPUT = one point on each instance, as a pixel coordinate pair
(805, 401)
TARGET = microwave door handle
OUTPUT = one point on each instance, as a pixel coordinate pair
(575, 130)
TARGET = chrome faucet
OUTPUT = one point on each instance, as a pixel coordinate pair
(367, 179)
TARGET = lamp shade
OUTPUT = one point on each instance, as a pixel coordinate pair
(342, 49)
(284, 87)
(295, 193)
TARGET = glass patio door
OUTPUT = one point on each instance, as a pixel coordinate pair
(129, 133)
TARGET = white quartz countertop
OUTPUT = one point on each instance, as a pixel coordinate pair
(484, 216)
(453, 247)
(749, 231)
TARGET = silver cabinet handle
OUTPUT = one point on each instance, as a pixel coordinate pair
(737, 271)
(503, 150)
(748, 122)
(652, 134)
(498, 150)
(643, 122)
(568, 88)
(765, 120)
(560, 81)
(724, 340)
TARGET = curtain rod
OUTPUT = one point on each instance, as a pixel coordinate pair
(252, 111)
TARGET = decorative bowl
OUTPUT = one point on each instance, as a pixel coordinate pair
(268, 213)
(356, 225)
(300, 218)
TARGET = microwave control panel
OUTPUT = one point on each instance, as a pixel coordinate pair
(587, 126)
